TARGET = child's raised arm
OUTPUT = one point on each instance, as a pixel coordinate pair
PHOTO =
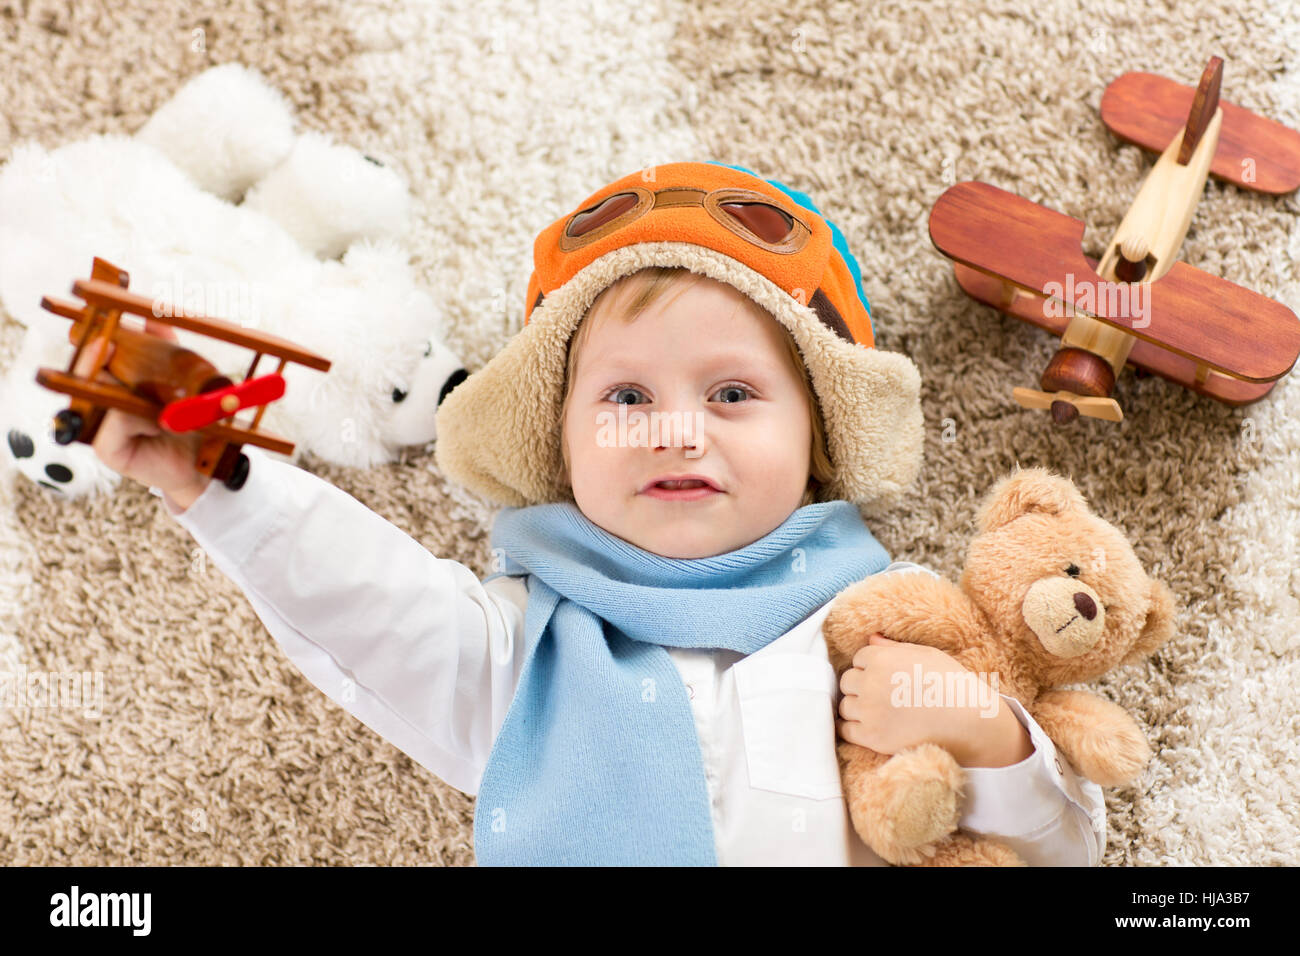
(413, 645)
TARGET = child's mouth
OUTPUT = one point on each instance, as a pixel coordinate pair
(683, 489)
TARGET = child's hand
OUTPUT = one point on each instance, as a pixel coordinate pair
(885, 709)
(141, 449)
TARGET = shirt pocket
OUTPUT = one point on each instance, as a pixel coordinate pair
(788, 722)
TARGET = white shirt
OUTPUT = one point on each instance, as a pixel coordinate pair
(428, 656)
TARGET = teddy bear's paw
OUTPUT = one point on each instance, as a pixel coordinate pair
(924, 812)
(853, 618)
(1110, 760)
(964, 849)
(914, 802)
(910, 606)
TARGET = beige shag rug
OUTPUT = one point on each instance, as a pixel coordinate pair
(212, 749)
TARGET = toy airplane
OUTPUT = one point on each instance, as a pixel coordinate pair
(1137, 305)
(162, 381)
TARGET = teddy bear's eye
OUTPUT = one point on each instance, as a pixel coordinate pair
(398, 394)
(1072, 570)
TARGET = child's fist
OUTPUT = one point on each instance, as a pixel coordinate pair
(141, 449)
(890, 704)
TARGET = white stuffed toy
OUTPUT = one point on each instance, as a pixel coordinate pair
(161, 205)
(26, 413)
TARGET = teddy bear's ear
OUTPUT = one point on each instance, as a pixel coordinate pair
(1159, 626)
(1028, 490)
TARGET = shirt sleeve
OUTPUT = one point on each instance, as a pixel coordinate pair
(1038, 807)
(414, 646)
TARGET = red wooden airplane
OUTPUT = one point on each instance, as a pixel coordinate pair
(161, 381)
(1136, 305)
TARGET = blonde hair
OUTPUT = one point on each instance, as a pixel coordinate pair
(654, 282)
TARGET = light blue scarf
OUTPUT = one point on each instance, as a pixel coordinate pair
(598, 762)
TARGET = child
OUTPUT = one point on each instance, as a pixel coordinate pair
(644, 681)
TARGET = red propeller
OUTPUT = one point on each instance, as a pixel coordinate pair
(196, 411)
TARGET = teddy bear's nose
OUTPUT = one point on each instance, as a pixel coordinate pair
(1085, 605)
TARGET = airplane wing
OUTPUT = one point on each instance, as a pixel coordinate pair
(1151, 358)
(1203, 318)
(110, 296)
(1253, 152)
(106, 395)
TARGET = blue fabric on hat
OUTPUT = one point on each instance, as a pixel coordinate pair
(598, 761)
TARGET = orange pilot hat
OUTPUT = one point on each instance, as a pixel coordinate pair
(499, 430)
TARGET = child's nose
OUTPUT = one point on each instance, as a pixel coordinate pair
(690, 443)
(683, 430)
(692, 449)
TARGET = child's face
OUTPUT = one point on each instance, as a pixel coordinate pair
(711, 355)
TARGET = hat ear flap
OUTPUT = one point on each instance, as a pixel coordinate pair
(1028, 491)
(499, 431)
(876, 432)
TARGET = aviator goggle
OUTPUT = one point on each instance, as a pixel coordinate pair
(752, 216)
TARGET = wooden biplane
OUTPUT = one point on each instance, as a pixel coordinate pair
(1136, 305)
(161, 381)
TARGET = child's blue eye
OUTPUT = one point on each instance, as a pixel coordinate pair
(732, 393)
(627, 396)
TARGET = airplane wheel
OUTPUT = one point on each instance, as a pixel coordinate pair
(238, 474)
(1063, 413)
(67, 426)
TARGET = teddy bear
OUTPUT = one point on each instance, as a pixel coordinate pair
(216, 206)
(1051, 594)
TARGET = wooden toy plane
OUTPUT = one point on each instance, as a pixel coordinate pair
(162, 381)
(1136, 305)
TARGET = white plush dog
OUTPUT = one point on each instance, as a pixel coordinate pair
(161, 206)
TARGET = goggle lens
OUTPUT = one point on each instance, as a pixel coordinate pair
(767, 222)
(597, 216)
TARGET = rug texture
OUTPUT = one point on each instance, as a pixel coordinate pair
(212, 749)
